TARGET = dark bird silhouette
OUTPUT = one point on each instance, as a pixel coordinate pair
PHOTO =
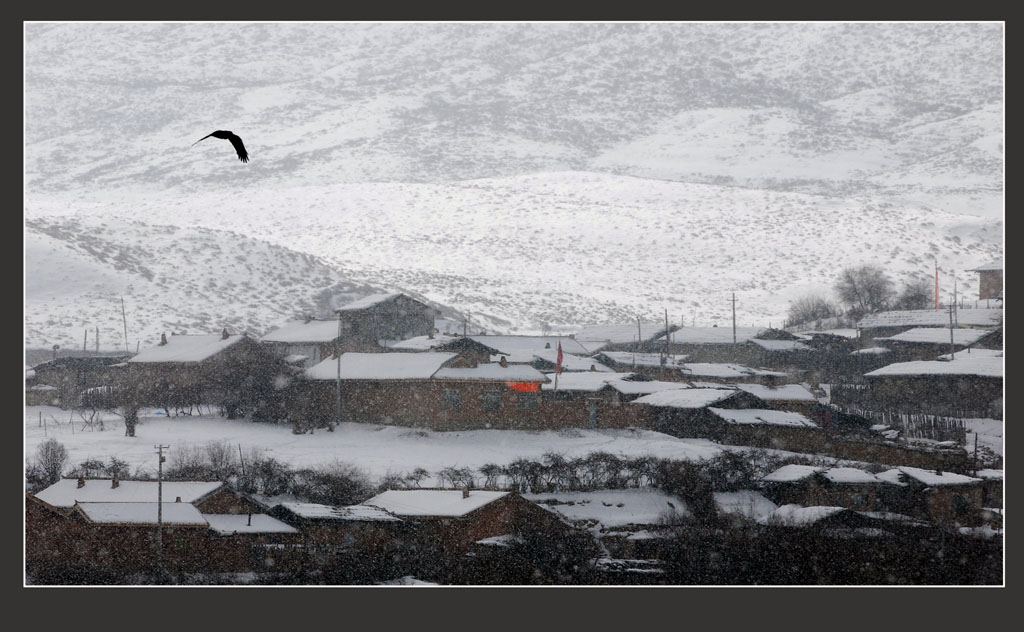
(235, 141)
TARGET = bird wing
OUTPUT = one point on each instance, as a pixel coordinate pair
(201, 139)
(239, 147)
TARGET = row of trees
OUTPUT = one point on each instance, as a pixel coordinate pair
(860, 291)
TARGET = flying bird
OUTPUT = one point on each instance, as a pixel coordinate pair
(235, 141)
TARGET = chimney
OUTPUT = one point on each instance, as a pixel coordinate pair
(465, 492)
(177, 499)
(547, 345)
(224, 334)
(115, 481)
(163, 339)
(81, 482)
(593, 367)
(504, 361)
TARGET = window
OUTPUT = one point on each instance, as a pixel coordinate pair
(859, 498)
(492, 400)
(451, 399)
(528, 401)
(960, 504)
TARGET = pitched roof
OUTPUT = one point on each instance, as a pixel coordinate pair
(65, 492)
(368, 301)
(996, 265)
(850, 475)
(423, 343)
(791, 473)
(798, 516)
(685, 397)
(756, 416)
(351, 513)
(381, 366)
(645, 387)
(297, 331)
(724, 369)
(932, 318)
(133, 513)
(187, 348)
(230, 524)
(571, 362)
(433, 502)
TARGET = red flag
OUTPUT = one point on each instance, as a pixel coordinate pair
(559, 369)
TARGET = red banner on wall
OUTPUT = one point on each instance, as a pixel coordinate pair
(524, 387)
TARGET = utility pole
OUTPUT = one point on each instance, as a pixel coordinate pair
(160, 506)
(956, 319)
(337, 382)
(734, 317)
(951, 351)
(85, 340)
(639, 335)
(124, 319)
(97, 339)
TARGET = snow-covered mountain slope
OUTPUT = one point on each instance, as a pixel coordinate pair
(558, 249)
(172, 278)
(906, 110)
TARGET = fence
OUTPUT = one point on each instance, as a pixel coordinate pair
(917, 425)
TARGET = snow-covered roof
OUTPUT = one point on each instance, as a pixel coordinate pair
(43, 387)
(780, 345)
(798, 516)
(368, 301)
(745, 502)
(791, 473)
(423, 343)
(964, 364)
(492, 371)
(66, 492)
(229, 524)
(990, 474)
(570, 362)
(713, 335)
(299, 331)
(871, 351)
(187, 348)
(724, 369)
(986, 317)
(381, 366)
(627, 387)
(849, 475)
(531, 344)
(938, 335)
(408, 580)
(643, 359)
(613, 507)
(589, 381)
(29, 372)
(928, 477)
(787, 392)
(295, 358)
(433, 502)
(141, 513)
(355, 513)
(755, 416)
(996, 265)
(594, 337)
(685, 397)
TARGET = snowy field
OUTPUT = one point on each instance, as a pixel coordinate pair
(376, 449)
(990, 434)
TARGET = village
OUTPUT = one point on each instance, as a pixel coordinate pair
(839, 446)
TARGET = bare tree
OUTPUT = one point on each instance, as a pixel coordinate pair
(865, 289)
(811, 308)
(916, 294)
(52, 458)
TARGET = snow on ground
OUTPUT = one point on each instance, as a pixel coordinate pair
(377, 449)
(989, 431)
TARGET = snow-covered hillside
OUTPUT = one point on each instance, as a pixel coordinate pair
(556, 249)
(912, 110)
(173, 279)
